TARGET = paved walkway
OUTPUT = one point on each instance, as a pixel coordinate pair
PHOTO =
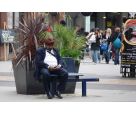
(112, 87)
(8, 94)
(6, 68)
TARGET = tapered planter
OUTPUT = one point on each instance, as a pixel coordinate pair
(26, 84)
(24, 80)
(72, 66)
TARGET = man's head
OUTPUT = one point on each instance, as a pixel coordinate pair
(117, 29)
(97, 31)
(49, 42)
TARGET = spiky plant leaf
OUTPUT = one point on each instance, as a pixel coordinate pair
(28, 40)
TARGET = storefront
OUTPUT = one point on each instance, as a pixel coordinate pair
(8, 21)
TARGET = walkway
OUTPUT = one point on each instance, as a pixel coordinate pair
(112, 87)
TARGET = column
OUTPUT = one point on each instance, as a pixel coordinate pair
(3, 18)
(87, 24)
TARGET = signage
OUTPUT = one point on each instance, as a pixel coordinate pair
(7, 36)
(129, 43)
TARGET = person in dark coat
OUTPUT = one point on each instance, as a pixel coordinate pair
(48, 62)
(116, 51)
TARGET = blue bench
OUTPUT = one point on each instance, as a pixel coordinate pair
(75, 77)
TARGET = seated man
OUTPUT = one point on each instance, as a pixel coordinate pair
(48, 61)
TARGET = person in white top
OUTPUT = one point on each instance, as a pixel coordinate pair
(48, 62)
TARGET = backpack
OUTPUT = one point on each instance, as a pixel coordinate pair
(117, 43)
(104, 46)
(92, 38)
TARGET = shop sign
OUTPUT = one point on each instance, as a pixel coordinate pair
(7, 36)
(129, 43)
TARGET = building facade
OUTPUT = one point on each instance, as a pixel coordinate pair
(8, 20)
(101, 20)
(84, 20)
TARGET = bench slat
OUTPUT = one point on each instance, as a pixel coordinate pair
(69, 74)
(74, 77)
(75, 74)
(83, 79)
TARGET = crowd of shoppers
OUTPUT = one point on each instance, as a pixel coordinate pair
(104, 44)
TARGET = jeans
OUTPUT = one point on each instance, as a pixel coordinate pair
(116, 61)
(95, 55)
(50, 83)
(106, 56)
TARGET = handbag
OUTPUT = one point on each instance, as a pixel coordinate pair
(117, 43)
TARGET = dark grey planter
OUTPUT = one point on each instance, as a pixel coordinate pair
(26, 84)
(24, 80)
(72, 66)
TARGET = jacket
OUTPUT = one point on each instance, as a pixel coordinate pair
(39, 60)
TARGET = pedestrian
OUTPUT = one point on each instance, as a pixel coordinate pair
(90, 39)
(105, 42)
(116, 45)
(48, 61)
(95, 46)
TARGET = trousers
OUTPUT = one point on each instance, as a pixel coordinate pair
(50, 83)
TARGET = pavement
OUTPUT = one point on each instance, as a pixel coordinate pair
(111, 87)
(6, 68)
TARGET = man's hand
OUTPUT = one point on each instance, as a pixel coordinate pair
(58, 67)
(51, 68)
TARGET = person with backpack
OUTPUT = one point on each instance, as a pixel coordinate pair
(116, 41)
(90, 39)
(105, 45)
(95, 46)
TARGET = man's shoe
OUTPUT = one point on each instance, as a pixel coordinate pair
(58, 95)
(49, 95)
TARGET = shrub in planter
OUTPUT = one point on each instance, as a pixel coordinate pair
(68, 42)
(31, 36)
(70, 46)
(23, 63)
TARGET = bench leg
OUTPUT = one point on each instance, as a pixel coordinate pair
(84, 88)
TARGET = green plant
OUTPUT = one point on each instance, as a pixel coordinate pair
(67, 41)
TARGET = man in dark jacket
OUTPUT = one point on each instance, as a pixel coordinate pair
(49, 62)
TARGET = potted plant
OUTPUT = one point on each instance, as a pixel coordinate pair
(68, 42)
(32, 32)
(70, 46)
(23, 63)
